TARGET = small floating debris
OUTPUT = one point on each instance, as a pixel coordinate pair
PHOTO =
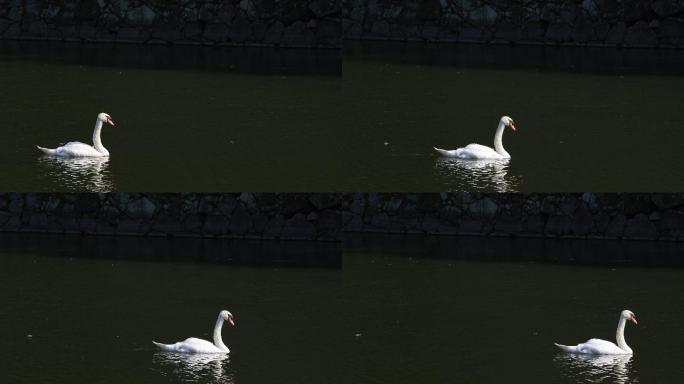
(386, 143)
(29, 336)
(358, 334)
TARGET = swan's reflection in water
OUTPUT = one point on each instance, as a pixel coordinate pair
(198, 367)
(597, 368)
(79, 174)
(477, 175)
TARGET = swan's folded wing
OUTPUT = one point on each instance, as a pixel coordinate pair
(598, 346)
(479, 151)
(195, 345)
(76, 149)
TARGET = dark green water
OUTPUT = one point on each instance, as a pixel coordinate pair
(425, 311)
(401, 310)
(588, 119)
(187, 119)
(205, 119)
(92, 312)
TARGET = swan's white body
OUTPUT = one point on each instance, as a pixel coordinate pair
(604, 347)
(195, 345)
(78, 149)
(482, 152)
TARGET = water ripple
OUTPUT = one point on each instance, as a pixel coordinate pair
(79, 174)
(477, 175)
(597, 368)
(204, 367)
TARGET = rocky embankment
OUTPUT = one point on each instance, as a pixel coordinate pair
(287, 216)
(638, 216)
(307, 23)
(625, 23)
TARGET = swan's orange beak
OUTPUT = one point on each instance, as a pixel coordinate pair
(634, 320)
(512, 125)
(231, 321)
(110, 122)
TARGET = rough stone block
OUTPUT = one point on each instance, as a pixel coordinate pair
(193, 223)
(583, 30)
(329, 33)
(240, 222)
(88, 32)
(471, 34)
(641, 35)
(616, 34)
(192, 31)
(616, 227)
(141, 208)
(379, 220)
(88, 225)
(275, 227)
(325, 200)
(166, 33)
(298, 228)
(471, 226)
(559, 33)
(38, 220)
(240, 31)
(38, 28)
(640, 227)
(351, 222)
(508, 224)
(298, 34)
(215, 225)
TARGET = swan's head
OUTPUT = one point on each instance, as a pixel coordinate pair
(105, 118)
(629, 315)
(227, 316)
(508, 122)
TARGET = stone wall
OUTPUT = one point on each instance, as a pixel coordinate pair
(326, 216)
(300, 23)
(289, 216)
(626, 23)
(638, 216)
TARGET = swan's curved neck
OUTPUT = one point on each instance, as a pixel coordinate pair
(97, 142)
(498, 140)
(218, 341)
(620, 335)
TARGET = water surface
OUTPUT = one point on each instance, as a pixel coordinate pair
(187, 118)
(589, 119)
(481, 310)
(85, 310)
(233, 119)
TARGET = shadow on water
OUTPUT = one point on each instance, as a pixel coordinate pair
(205, 368)
(267, 253)
(606, 61)
(243, 60)
(477, 175)
(591, 252)
(597, 368)
(89, 174)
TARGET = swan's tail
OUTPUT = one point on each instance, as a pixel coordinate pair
(46, 151)
(566, 348)
(164, 347)
(445, 152)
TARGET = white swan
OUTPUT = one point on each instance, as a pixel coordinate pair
(481, 152)
(603, 347)
(78, 149)
(195, 345)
